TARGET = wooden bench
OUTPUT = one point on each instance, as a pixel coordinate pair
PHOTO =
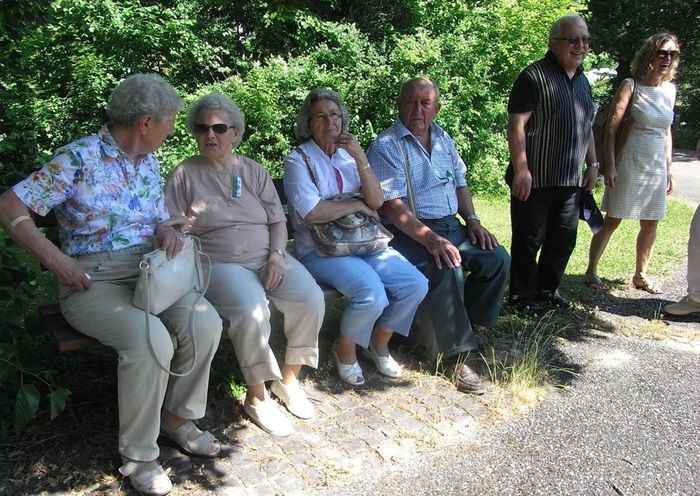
(69, 339)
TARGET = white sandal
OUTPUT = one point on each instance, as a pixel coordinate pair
(192, 440)
(386, 365)
(350, 374)
(147, 478)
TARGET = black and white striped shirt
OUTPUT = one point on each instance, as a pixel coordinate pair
(559, 128)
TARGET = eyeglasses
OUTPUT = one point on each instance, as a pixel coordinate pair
(585, 40)
(217, 128)
(672, 54)
(333, 116)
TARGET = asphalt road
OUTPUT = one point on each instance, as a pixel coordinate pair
(630, 425)
(686, 175)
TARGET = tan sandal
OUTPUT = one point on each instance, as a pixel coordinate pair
(594, 282)
(147, 478)
(641, 282)
(191, 440)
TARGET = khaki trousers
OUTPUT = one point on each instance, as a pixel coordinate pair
(105, 312)
(236, 291)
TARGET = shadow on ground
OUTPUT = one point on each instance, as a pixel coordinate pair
(356, 433)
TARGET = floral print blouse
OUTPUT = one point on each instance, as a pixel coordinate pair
(103, 200)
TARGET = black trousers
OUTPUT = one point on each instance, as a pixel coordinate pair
(546, 223)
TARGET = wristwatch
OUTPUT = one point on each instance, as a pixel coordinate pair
(279, 252)
(473, 217)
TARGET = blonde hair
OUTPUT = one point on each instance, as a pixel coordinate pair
(641, 63)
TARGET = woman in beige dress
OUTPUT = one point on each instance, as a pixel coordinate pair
(638, 179)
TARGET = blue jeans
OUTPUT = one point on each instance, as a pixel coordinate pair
(383, 288)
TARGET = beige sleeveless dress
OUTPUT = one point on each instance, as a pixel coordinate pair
(641, 167)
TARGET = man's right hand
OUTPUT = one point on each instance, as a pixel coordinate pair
(522, 184)
(443, 250)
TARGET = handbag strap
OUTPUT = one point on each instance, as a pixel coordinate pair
(203, 282)
(409, 182)
(627, 114)
(309, 164)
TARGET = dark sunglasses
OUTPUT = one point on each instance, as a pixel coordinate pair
(672, 54)
(217, 128)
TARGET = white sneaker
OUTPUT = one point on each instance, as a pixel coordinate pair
(686, 306)
(269, 417)
(294, 398)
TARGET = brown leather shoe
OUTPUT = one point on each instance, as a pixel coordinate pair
(468, 381)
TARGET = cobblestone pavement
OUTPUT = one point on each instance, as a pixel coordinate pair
(382, 424)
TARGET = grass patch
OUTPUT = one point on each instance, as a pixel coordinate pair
(618, 261)
(525, 360)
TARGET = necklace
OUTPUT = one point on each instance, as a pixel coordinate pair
(235, 184)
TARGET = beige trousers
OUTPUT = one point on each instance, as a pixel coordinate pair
(106, 313)
(236, 291)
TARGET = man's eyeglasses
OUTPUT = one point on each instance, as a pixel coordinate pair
(217, 128)
(333, 116)
(585, 40)
(672, 54)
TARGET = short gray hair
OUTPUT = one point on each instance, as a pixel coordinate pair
(301, 130)
(142, 94)
(417, 82)
(555, 30)
(221, 103)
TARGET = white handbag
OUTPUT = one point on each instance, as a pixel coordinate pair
(163, 282)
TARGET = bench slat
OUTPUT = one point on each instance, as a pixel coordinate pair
(67, 338)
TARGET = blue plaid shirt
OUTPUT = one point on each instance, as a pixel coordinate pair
(435, 176)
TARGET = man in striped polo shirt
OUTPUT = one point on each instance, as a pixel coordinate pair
(549, 137)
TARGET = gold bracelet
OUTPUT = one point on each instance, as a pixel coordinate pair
(363, 167)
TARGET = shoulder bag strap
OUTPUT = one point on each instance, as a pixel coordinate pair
(307, 160)
(627, 114)
(407, 174)
(203, 285)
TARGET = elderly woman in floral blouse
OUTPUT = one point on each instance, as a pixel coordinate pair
(106, 192)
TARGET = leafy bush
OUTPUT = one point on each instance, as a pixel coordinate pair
(21, 385)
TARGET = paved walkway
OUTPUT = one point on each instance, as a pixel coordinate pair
(384, 424)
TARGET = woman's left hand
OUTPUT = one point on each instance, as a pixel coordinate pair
(274, 272)
(669, 184)
(169, 235)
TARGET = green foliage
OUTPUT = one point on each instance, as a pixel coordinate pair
(20, 384)
(62, 57)
(619, 28)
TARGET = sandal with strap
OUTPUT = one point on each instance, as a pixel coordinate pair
(147, 478)
(641, 282)
(191, 440)
(594, 282)
(349, 374)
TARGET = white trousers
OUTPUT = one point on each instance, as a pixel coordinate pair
(694, 257)
(106, 313)
(237, 293)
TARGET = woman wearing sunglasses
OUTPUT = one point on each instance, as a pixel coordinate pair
(233, 207)
(638, 178)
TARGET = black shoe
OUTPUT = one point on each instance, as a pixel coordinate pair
(553, 299)
(527, 305)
